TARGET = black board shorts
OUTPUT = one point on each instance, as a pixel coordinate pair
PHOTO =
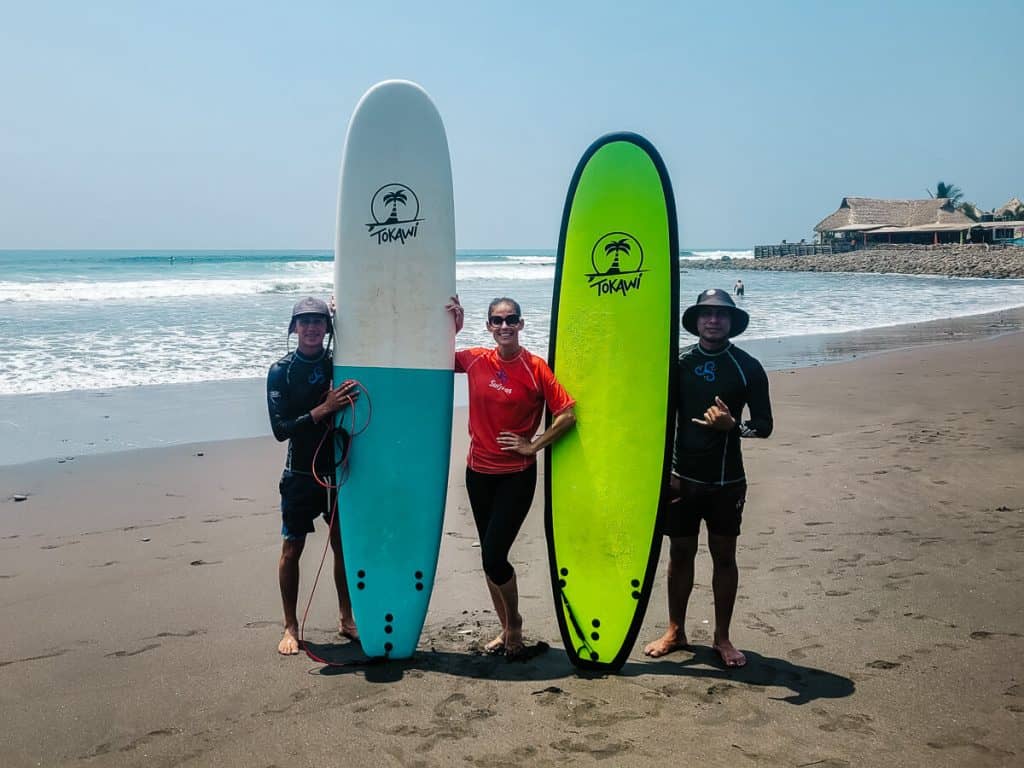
(719, 506)
(303, 499)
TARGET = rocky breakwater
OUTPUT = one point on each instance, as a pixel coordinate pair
(949, 260)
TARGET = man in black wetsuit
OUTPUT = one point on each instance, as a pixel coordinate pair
(302, 405)
(716, 381)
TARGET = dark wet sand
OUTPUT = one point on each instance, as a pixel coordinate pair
(880, 607)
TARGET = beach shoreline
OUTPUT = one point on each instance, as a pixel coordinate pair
(881, 563)
(63, 425)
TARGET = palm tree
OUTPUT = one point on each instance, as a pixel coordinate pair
(971, 211)
(951, 192)
(616, 247)
(393, 199)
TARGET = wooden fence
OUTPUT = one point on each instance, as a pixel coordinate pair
(801, 249)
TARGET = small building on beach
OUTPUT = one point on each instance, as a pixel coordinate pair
(867, 221)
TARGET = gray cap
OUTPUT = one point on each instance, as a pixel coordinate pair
(310, 306)
(716, 297)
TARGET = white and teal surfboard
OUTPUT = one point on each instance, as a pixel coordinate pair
(394, 271)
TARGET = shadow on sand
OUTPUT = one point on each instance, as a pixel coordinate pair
(543, 664)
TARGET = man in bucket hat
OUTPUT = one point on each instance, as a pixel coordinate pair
(716, 381)
(302, 404)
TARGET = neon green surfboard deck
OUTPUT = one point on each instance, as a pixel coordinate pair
(614, 345)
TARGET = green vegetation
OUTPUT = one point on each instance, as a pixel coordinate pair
(951, 192)
(955, 195)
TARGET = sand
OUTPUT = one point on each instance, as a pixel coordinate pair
(880, 606)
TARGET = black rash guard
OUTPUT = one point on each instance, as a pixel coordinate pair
(295, 385)
(706, 455)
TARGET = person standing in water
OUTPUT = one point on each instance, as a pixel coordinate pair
(508, 390)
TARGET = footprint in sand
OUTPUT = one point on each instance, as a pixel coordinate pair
(794, 566)
(982, 634)
(906, 574)
(882, 664)
(52, 655)
(853, 723)
(799, 653)
(591, 747)
(516, 758)
(869, 616)
(760, 625)
(186, 633)
(969, 737)
(125, 654)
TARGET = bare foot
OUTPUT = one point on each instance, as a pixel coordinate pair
(497, 645)
(347, 628)
(514, 637)
(672, 640)
(289, 645)
(730, 655)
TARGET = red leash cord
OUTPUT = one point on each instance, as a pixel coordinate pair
(340, 472)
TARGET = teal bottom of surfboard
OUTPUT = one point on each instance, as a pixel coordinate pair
(392, 498)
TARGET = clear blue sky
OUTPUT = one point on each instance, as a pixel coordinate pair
(219, 124)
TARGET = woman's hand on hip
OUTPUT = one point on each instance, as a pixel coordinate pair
(510, 441)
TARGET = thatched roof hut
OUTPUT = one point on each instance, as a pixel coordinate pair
(866, 219)
(863, 214)
(1011, 206)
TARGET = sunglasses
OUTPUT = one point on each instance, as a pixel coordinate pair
(509, 320)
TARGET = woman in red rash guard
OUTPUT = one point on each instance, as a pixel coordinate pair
(508, 389)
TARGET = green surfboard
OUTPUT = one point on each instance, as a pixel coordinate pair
(614, 346)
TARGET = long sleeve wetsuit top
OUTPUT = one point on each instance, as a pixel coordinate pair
(706, 455)
(295, 385)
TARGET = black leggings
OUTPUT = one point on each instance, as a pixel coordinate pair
(500, 504)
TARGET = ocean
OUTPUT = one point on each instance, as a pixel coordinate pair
(141, 330)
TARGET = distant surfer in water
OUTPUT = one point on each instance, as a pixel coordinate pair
(508, 389)
(738, 288)
(716, 381)
(302, 403)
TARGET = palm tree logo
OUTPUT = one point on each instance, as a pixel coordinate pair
(616, 253)
(615, 248)
(393, 198)
(393, 204)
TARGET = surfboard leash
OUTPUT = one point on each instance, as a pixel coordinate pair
(341, 473)
(333, 507)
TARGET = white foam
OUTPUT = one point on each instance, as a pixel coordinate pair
(701, 255)
(134, 290)
(117, 333)
(505, 271)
